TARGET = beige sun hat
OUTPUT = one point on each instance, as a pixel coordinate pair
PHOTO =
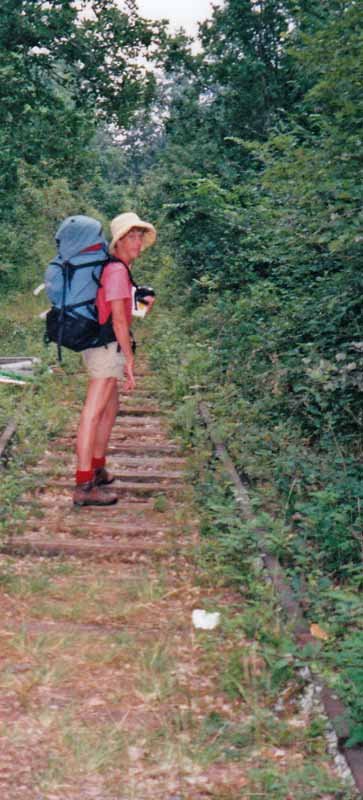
(122, 224)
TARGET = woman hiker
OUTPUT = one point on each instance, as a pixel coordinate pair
(107, 365)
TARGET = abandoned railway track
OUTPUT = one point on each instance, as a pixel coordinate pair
(124, 578)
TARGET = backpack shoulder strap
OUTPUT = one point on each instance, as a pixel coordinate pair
(127, 268)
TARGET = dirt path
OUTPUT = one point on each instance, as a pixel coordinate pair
(107, 690)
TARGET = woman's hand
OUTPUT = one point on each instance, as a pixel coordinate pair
(130, 382)
(150, 302)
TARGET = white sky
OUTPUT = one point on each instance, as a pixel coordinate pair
(181, 13)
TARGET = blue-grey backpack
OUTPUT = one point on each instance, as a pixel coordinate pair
(71, 282)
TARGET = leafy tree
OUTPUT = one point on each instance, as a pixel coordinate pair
(247, 68)
(64, 66)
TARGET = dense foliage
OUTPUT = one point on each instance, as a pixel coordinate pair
(264, 218)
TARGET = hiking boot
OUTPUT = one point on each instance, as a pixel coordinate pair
(87, 494)
(103, 477)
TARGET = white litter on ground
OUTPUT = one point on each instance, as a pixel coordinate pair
(205, 620)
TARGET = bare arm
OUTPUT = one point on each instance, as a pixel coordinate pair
(121, 329)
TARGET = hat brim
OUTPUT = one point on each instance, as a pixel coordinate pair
(148, 239)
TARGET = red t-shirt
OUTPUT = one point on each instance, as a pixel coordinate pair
(116, 285)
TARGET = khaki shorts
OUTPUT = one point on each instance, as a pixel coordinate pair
(104, 362)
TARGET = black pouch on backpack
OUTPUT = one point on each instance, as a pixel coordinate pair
(75, 331)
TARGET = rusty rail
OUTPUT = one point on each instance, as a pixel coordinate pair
(6, 437)
(333, 707)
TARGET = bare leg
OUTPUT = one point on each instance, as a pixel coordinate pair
(105, 425)
(99, 405)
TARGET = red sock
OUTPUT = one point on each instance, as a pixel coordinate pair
(84, 476)
(98, 463)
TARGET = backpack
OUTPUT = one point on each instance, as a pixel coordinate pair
(71, 282)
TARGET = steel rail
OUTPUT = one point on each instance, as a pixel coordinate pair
(333, 707)
(6, 438)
